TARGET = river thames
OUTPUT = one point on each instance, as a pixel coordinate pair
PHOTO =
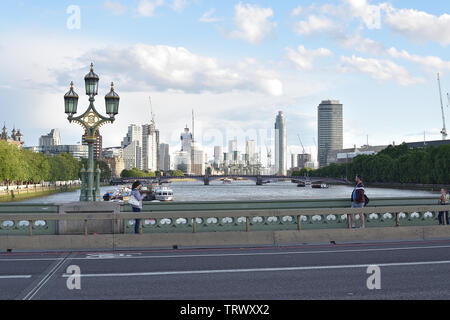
(247, 190)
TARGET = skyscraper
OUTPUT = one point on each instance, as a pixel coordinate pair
(186, 140)
(164, 157)
(232, 146)
(150, 147)
(330, 129)
(218, 156)
(280, 144)
(132, 147)
(250, 151)
(197, 154)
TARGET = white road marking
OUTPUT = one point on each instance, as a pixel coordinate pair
(228, 254)
(23, 276)
(44, 280)
(167, 273)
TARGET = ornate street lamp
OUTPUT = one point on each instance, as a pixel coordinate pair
(91, 121)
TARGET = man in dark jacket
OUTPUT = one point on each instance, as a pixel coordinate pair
(358, 201)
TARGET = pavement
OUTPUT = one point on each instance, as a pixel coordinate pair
(407, 270)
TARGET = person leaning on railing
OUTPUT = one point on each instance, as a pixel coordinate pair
(358, 201)
(443, 200)
(135, 192)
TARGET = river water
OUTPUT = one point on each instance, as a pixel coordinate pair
(247, 190)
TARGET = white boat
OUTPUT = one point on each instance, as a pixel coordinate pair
(226, 181)
(164, 194)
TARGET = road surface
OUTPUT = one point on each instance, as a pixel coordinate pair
(408, 270)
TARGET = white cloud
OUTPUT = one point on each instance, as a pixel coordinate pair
(179, 5)
(378, 69)
(304, 59)
(419, 25)
(296, 11)
(252, 22)
(161, 67)
(314, 24)
(207, 16)
(369, 14)
(361, 44)
(146, 8)
(115, 7)
(431, 63)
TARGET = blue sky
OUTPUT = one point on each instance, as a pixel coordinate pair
(236, 63)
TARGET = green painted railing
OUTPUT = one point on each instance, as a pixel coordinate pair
(229, 216)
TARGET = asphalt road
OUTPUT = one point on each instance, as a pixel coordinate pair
(408, 270)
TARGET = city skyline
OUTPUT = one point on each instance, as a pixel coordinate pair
(290, 56)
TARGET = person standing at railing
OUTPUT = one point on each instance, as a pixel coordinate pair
(358, 201)
(136, 205)
(443, 200)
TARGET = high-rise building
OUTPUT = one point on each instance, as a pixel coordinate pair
(218, 156)
(97, 145)
(134, 134)
(132, 155)
(232, 146)
(132, 147)
(330, 129)
(164, 157)
(303, 159)
(197, 159)
(51, 139)
(183, 161)
(150, 147)
(293, 160)
(280, 144)
(186, 140)
(250, 151)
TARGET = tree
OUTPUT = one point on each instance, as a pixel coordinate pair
(396, 164)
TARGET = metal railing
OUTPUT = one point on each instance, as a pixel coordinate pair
(232, 220)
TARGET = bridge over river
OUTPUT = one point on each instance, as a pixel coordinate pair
(259, 179)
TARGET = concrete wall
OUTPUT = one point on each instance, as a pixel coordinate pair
(207, 239)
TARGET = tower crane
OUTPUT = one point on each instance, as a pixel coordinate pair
(299, 139)
(448, 97)
(444, 130)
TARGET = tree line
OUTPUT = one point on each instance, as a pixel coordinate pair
(23, 166)
(395, 164)
(136, 173)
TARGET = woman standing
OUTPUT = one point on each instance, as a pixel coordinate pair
(443, 215)
(135, 192)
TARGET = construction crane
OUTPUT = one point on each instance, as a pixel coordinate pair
(299, 139)
(152, 115)
(448, 97)
(444, 130)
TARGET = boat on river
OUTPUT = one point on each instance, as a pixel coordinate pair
(320, 186)
(164, 194)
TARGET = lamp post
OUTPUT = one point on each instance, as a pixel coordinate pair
(91, 121)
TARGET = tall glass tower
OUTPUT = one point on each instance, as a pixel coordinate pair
(330, 129)
(280, 144)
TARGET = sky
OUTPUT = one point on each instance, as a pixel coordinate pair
(235, 63)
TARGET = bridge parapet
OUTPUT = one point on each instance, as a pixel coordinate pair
(164, 220)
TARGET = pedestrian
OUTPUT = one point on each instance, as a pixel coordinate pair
(358, 201)
(443, 200)
(137, 206)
